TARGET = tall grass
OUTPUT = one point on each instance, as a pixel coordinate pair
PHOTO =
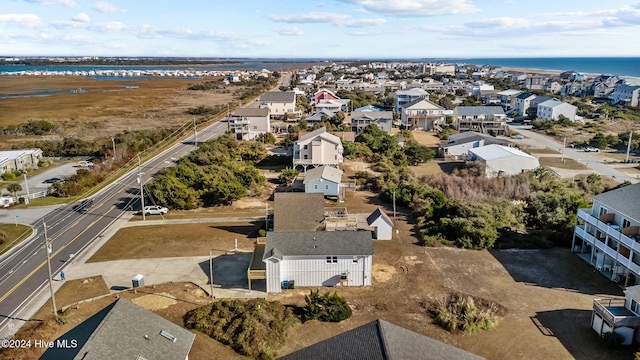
(465, 313)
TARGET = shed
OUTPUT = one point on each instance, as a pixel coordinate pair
(323, 179)
(500, 159)
(382, 225)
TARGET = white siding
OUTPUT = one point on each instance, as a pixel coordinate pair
(273, 276)
(315, 271)
(383, 230)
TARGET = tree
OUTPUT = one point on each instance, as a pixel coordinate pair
(599, 140)
(14, 188)
(418, 154)
(287, 175)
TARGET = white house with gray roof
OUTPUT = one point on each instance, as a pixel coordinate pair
(247, 123)
(323, 179)
(382, 225)
(279, 102)
(317, 148)
(404, 97)
(458, 145)
(422, 114)
(502, 160)
(607, 235)
(318, 258)
(626, 94)
(552, 110)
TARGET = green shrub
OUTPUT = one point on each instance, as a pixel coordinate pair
(262, 233)
(8, 176)
(326, 307)
(465, 313)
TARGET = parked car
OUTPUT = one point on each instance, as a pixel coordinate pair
(591, 149)
(52, 180)
(85, 163)
(155, 210)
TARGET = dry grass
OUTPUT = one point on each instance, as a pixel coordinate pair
(106, 108)
(556, 162)
(429, 168)
(12, 234)
(73, 291)
(429, 139)
(143, 242)
(541, 150)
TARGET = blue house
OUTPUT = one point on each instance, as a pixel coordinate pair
(323, 179)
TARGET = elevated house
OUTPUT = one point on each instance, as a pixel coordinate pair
(333, 105)
(502, 160)
(124, 330)
(554, 108)
(317, 148)
(404, 97)
(607, 235)
(247, 123)
(619, 316)
(324, 180)
(458, 145)
(482, 119)
(324, 95)
(523, 102)
(603, 86)
(317, 258)
(280, 103)
(534, 82)
(508, 98)
(422, 114)
(381, 340)
(382, 119)
(626, 95)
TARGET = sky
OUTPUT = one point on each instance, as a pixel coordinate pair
(338, 29)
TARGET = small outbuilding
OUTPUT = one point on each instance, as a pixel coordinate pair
(382, 225)
(502, 160)
(323, 179)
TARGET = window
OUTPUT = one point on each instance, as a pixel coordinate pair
(355, 259)
(332, 259)
(326, 187)
(255, 127)
(315, 187)
(634, 306)
(603, 210)
(306, 147)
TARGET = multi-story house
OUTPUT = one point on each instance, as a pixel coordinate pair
(508, 98)
(317, 148)
(552, 109)
(324, 94)
(279, 102)
(19, 160)
(572, 89)
(534, 82)
(422, 114)
(482, 119)
(603, 86)
(248, 123)
(607, 234)
(404, 97)
(620, 316)
(626, 94)
(382, 119)
(523, 102)
(552, 86)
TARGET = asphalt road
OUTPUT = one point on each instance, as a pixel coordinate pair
(587, 158)
(23, 271)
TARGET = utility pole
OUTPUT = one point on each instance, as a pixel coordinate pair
(228, 125)
(26, 185)
(626, 160)
(113, 142)
(195, 133)
(141, 188)
(564, 145)
(49, 250)
(394, 205)
(211, 273)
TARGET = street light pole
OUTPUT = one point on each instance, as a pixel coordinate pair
(195, 133)
(564, 145)
(48, 249)
(113, 142)
(26, 185)
(141, 188)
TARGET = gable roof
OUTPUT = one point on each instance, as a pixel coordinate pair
(278, 96)
(251, 112)
(479, 110)
(491, 152)
(471, 136)
(377, 213)
(328, 173)
(374, 115)
(318, 115)
(300, 243)
(298, 211)
(381, 340)
(124, 330)
(312, 134)
(367, 108)
(625, 200)
(422, 104)
(412, 92)
(510, 92)
(322, 132)
(552, 103)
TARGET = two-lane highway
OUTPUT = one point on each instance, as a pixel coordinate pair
(23, 272)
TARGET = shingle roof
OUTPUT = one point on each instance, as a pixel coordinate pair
(381, 340)
(376, 214)
(625, 200)
(251, 112)
(299, 243)
(124, 330)
(494, 151)
(372, 114)
(479, 110)
(298, 211)
(510, 92)
(470, 136)
(367, 108)
(328, 173)
(312, 134)
(278, 96)
(428, 104)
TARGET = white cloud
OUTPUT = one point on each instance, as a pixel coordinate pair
(67, 3)
(105, 7)
(289, 31)
(416, 8)
(82, 17)
(23, 20)
(363, 22)
(337, 19)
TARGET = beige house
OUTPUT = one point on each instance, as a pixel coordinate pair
(279, 102)
(317, 148)
(422, 114)
(482, 119)
(248, 123)
(18, 160)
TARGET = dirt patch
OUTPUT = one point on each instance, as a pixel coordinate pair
(248, 203)
(426, 138)
(76, 290)
(557, 162)
(383, 273)
(155, 301)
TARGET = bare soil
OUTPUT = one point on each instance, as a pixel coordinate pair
(106, 108)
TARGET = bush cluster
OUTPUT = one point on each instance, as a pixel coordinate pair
(465, 313)
(326, 307)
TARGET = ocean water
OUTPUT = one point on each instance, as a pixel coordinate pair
(621, 66)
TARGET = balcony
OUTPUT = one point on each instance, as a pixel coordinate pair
(615, 314)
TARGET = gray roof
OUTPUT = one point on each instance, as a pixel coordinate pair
(300, 243)
(633, 292)
(298, 211)
(251, 112)
(328, 173)
(381, 340)
(124, 330)
(625, 200)
(376, 214)
(479, 110)
(471, 136)
(278, 96)
(372, 114)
